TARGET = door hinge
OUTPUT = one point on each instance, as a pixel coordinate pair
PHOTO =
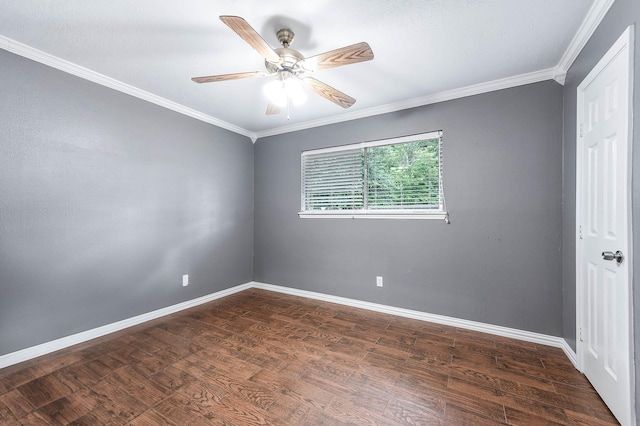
(580, 335)
(581, 128)
(580, 231)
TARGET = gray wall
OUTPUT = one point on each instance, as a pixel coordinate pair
(622, 14)
(105, 201)
(498, 262)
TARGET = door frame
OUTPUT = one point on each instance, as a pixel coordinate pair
(624, 45)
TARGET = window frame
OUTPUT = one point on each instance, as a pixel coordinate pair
(440, 213)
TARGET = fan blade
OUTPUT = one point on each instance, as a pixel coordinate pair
(224, 77)
(272, 109)
(359, 52)
(328, 92)
(248, 34)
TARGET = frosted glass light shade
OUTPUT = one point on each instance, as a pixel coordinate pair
(278, 91)
(295, 91)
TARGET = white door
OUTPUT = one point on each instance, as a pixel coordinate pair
(604, 228)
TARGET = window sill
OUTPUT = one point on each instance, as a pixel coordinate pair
(374, 215)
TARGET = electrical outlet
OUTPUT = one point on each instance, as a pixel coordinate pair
(379, 281)
(185, 280)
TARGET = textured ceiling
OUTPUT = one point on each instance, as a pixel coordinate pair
(421, 47)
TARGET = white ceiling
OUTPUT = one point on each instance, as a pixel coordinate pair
(422, 48)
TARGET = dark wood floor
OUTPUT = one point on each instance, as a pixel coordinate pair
(258, 357)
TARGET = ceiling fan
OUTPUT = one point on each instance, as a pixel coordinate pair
(291, 68)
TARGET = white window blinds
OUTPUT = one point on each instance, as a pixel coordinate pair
(333, 180)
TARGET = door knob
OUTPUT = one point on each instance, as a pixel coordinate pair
(609, 255)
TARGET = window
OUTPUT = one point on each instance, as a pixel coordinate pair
(391, 178)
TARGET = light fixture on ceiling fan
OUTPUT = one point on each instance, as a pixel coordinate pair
(291, 68)
(287, 87)
(284, 90)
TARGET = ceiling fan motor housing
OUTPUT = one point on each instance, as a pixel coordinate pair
(290, 60)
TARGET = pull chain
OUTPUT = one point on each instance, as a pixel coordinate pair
(288, 109)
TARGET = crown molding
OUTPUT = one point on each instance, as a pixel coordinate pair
(595, 15)
(476, 89)
(558, 73)
(87, 74)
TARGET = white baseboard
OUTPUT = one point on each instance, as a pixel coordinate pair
(64, 342)
(529, 336)
(570, 353)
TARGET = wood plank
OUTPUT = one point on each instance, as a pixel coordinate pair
(587, 420)
(250, 392)
(114, 404)
(345, 411)
(409, 413)
(44, 390)
(136, 385)
(173, 378)
(455, 415)
(16, 403)
(151, 418)
(520, 417)
(69, 408)
(183, 411)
